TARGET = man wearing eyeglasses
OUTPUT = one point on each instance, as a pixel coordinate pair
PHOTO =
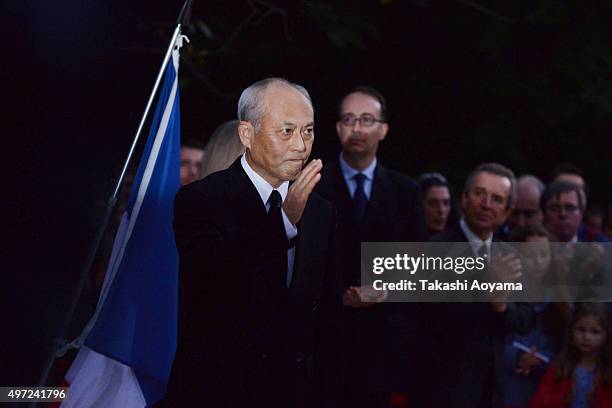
(374, 204)
(563, 204)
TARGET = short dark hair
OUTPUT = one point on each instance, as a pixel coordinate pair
(429, 180)
(566, 168)
(557, 187)
(499, 170)
(193, 143)
(370, 91)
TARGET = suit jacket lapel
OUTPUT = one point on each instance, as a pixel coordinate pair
(251, 206)
(253, 217)
(341, 193)
(376, 208)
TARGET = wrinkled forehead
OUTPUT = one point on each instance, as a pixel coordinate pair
(493, 183)
(285, 100)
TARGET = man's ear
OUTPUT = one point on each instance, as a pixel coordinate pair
(385, 129)
(246, 131)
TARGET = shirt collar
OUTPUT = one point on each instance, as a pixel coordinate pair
(261, 185)
(350, 172)
(474, 240)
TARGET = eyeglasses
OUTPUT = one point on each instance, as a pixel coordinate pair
(567, 208)
(364, 120)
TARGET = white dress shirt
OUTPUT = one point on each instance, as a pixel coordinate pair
(474, 240)
(349, 177)
(265, 189)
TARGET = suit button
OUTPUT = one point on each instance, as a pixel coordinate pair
(300, 357)
(315, 306)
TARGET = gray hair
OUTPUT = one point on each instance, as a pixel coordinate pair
(533, 180)
(499, 170)
(249, 104)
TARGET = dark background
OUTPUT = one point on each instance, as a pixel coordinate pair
(525, 83)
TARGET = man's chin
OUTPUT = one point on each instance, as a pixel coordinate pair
(291, 175)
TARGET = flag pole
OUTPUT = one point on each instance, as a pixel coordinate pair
(61, 345)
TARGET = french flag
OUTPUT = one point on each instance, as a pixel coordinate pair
(128, 347)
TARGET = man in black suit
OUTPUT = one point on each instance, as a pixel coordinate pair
(466, 339)
(374, 204)
(261, 311)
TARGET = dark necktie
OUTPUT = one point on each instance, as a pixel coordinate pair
(483, 252)
(359, 199)
(278, 234)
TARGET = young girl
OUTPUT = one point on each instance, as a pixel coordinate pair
(582, 376)
(524, 370)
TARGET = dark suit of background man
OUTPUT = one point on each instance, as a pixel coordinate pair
(374, 204)
(466, 341)
(261, 311)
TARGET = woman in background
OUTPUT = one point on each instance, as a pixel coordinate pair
(436, 201)
(223, 148)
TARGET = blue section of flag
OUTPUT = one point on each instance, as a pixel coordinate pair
(137, 324)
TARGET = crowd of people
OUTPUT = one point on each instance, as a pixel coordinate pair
(273, 310)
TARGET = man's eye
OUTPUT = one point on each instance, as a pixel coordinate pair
(367, 120)
(286, 131)
(308, 131)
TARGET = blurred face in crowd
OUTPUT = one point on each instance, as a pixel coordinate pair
(485, 204)
(360, 127)
(284, 141)
(594, 223)
(588, 335)
(571, 178)
(437, 208)
(536, 257)
(562, 215)
(191, 160)
(527, 208)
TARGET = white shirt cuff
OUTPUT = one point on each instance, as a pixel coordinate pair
(290, 229)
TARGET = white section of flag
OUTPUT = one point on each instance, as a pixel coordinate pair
(97, 381)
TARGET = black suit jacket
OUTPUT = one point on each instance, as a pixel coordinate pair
(244, 341)
(465, 348)
(378, 337)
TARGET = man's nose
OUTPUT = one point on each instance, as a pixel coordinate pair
(486, 201)
(298, 143)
